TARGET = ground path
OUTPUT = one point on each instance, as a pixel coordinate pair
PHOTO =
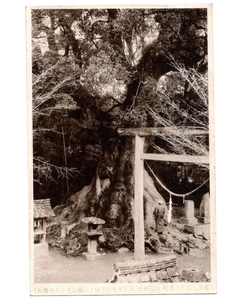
(52, 267)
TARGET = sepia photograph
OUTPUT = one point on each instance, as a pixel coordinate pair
(121, 150)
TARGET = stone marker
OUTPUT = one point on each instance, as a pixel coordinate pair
(203, 227)
(204, 209)
(189, 213)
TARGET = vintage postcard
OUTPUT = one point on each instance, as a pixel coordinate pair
(121, 150)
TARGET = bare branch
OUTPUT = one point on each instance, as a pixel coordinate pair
(196, 115)
(45, 169)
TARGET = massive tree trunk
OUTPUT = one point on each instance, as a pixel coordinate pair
(110, 197)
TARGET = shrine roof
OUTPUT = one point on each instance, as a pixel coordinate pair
(42, 208)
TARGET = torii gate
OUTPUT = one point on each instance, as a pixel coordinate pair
(140, 156)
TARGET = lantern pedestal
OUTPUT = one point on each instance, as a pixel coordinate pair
(93, 237)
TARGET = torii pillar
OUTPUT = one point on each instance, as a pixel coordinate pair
(139, 250)
(139, 247)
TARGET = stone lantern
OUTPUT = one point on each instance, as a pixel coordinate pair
(93, 234)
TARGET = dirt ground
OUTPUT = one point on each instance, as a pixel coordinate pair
(52, 267)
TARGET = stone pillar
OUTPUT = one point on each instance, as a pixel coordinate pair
(189, 214)
(92, 245)
(204, 209)
(93, 242)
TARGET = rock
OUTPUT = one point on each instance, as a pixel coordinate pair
(123, 250)
(194, 275)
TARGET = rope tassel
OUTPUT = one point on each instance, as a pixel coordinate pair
(169, 216)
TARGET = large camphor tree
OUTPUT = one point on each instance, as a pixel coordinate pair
(98, 70)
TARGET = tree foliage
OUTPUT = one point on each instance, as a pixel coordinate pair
(95, 70)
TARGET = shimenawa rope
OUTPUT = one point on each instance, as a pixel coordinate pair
(169, 216)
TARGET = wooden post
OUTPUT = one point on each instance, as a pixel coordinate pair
(138, 200)
(44, 229)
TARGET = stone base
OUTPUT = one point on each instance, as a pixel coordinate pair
(190, 221)
(199, 229)
(204, 220)
(91, 256)
(150, 269)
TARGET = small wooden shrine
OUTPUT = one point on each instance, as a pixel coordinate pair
(41, 211)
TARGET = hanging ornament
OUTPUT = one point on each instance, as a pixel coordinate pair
(169, 216)
(98, 186)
